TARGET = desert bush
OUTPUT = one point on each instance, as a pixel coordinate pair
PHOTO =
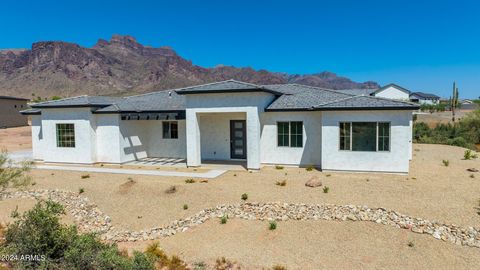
(81, 190)
(171, 190)
(13, 175)
(185, 206)
(309, 168)
(281, 183)
(225, 264)
(279, 167)
(190, 181)
(468, 154)
(162, 261)
(199, 266)
(244, 196)
(223, 220)
(326, 189)
(472, 175)
(411, 244)
(446, 162)
(85, 176)
(279, 267)
(272, 225)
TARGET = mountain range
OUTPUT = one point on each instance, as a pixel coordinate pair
(122, 66)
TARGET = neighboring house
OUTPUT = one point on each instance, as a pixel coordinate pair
(10, 115)
(424, 98)
(261, 124)
(392, 91)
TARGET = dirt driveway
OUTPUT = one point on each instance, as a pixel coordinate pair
(13, 139)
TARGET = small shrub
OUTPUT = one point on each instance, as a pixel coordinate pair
(234, 174)
(199, 266)
(411, 244)
(85, 176)
(130, 179)
(468, 154)
(472, 175)
(279, 167)
(190, 181)
(244, 196)
(326, 189)
(185, 206)
(225, 264)
(272, 225)
(279, 267)
(328, 175)
(171, 190)
(81, 190)
(446, 162)
(309, 168)
(281, 183)
(223, 220)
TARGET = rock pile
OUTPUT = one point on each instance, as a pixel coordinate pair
(90, 219)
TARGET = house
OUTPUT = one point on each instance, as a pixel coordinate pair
(286, 124)
(424, 98)
(10, 115)
(390, 91)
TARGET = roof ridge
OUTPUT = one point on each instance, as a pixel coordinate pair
(54, 101)
(320, 88)
(213, 83)
(337, 100)
(388, 99)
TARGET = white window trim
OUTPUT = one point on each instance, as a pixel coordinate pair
(290, 134)
(376, 137)
(170, 130)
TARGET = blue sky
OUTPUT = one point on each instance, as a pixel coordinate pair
(421, 45)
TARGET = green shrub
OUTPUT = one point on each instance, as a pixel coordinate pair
(326, 189)
(279, 267)
(190, 181)
(185, 206)
(278, 167)
(446, 162)
(12, 175)
(472, 175)
(309, 168)
(468, 154)
(244, 196)
(272, 225)
(411, 244)
(171, 190)
(85, 176)
(223, 220)
(81, 190)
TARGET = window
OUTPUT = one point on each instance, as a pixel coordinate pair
(65, 135)
(383, 136)
(290, 134)
(170, 130)
(364, 136)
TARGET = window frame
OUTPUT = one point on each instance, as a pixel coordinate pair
(170, 133)
(289, 134)
(64, 143)
(376, 135)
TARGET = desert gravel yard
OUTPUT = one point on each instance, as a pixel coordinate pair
(432, 190)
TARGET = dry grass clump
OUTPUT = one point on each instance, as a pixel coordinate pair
(162, 260)
(171, 190)
(446, 162)
(281, 183)
(279, 167)
(279, 267)
(226, 264)
(190, 181)
(85, 176)
(309, 168)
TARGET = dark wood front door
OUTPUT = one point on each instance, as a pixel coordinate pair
(238, 139)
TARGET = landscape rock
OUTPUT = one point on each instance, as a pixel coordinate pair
(313, 182)
(472, 170)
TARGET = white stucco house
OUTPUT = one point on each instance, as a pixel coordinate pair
(390, 91)
(285, 124)
(424, 98)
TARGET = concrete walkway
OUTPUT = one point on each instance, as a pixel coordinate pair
(210, 174)
(19, 156)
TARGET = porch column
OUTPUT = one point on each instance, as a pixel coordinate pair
(253, 139)
(193, 139)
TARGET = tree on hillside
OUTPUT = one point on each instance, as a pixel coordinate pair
(13, 174)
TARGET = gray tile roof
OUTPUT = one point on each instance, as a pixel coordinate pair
(301, 97)
(424, 95)
(31, 112)
(167, 100)
(229, 86)
(80, 101)
(393, 85)
(13, 98)
(358, 92)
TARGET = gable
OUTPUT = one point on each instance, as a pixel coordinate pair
(392, 92)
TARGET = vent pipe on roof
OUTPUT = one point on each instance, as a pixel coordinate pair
(169, 93)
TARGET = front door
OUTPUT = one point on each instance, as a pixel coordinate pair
(238, 139)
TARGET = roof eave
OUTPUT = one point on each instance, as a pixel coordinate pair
(146, 111)
(186, 92)
(389, 108)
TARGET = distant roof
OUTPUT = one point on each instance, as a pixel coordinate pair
(31, 112)
(314, 98)
(229, 86)
(392, 85)
(80, 101)
(13, 98)
(425, 95)
(357, 92)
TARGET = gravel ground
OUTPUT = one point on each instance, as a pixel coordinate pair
(431, 191)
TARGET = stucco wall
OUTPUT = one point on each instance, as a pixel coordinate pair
(108, 138)
(159, 147)
(309, 154)
(10, 113)
(395, 160)
(215, 134)
(85, 144)
(37, 137)
(393, 93)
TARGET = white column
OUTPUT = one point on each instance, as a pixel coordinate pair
(253, 139)
(194, 158)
